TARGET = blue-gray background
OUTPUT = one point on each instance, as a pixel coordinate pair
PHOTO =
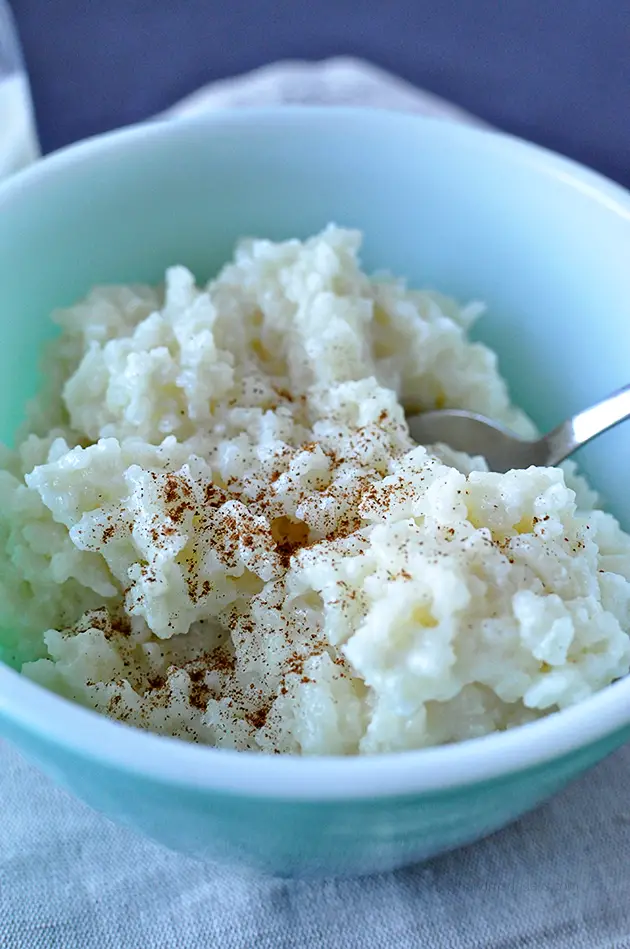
(554, 71)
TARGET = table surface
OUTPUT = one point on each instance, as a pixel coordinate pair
(556, 73)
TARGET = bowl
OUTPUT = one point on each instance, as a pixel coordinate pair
(476, 214)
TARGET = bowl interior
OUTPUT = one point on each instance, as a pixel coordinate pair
(543, 242)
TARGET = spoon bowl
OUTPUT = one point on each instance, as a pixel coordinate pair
(502, 449)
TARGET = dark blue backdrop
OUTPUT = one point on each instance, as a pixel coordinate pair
(554, 71)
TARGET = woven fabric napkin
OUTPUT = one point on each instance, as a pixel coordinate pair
(559, 879)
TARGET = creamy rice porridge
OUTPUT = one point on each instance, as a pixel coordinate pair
(219, 528)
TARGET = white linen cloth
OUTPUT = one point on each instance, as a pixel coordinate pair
(559, 879)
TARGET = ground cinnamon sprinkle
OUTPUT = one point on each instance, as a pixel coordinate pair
(120, 624)
(258, 718)
(200, 693)
(113, 704)
(156, 681)
(178, 514)
(214, 496)
(220, 660)
(172, 489)
(295, 663)
(283, 394)
(289, 536)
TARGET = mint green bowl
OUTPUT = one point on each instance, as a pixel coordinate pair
(547, 245)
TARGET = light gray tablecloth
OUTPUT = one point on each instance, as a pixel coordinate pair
(559, 879)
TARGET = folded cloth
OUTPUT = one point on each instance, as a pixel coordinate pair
(559, 879)
(334, 82)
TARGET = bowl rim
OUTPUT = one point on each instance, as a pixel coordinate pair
(34, 710)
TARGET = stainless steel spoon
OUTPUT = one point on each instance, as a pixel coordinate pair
(477, 435)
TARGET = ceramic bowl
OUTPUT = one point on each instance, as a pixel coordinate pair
(543, 241)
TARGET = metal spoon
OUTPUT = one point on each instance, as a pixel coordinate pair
(477, 435)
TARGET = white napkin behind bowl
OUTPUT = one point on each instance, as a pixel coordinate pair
(339, 81)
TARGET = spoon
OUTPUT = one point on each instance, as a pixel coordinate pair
(502, 449)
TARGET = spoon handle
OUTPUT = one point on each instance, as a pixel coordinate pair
(577, 431)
